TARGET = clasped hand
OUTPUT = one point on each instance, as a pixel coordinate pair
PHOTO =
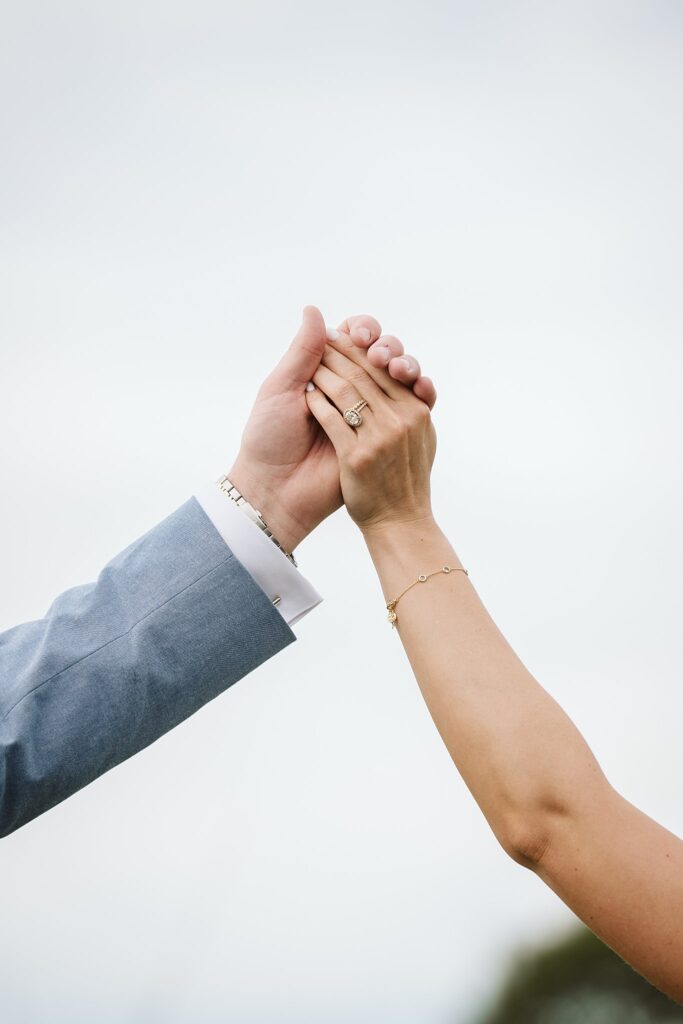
(299, 459)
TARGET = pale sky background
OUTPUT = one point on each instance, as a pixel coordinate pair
(500, 184)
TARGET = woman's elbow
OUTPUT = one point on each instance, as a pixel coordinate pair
(527, 846)
(528, 834)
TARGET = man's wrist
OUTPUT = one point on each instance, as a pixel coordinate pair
(286, 530)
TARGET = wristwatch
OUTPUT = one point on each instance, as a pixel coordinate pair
(228, 488)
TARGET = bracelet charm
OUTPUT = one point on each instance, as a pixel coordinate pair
(392, 617)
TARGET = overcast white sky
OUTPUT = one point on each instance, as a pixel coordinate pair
(500, 183)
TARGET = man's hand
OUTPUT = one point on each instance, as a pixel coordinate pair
(286, 466)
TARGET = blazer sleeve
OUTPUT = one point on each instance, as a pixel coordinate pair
(170, 623)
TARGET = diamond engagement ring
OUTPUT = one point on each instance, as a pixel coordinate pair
(353, 416)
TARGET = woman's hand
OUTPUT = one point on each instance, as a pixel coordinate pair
(385, 462)
(286, 466)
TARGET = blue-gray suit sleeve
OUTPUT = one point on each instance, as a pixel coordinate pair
(170, 623)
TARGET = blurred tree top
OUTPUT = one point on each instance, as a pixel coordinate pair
(579, 980)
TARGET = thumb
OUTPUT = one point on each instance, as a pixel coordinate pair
(303, 356)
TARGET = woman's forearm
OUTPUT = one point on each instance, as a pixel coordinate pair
(524, 761)
(520, 755)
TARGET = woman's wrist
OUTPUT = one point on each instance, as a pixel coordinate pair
(402, 534)
(402, 550)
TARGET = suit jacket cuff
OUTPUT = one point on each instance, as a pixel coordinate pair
(271, 570)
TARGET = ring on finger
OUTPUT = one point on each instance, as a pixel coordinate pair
(353, 415)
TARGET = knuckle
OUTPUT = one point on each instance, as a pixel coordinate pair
(420, 412)
(385, 450)
(394, 426)
(340, 391)
(361, 459)
(357, 375)
(348, 394)
(354, 461)
(403, 426)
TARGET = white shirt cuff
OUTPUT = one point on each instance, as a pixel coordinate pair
(270, 568)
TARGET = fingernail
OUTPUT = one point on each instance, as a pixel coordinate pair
(407, 363)
(385, 353)
(332, 334)
(310, 386)
(363, 333)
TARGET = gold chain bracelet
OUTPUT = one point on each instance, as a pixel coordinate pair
(422, 578)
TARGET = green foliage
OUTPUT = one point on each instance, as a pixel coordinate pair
(579, 980)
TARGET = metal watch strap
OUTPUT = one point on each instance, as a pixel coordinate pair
(228, 488)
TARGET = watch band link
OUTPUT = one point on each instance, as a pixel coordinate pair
(228, 488)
